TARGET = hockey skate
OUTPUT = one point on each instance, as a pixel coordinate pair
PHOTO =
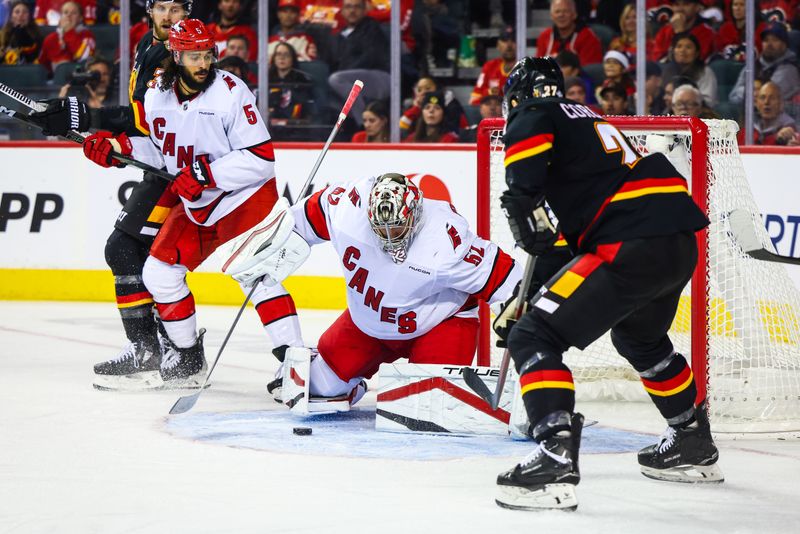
(136, 367)
(275, 386)
(684, 454)
(546, 478)
(185, 367)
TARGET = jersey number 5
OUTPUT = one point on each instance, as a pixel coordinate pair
(614, 141)
(251, 116)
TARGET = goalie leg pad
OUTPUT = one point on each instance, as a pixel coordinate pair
(310, 386)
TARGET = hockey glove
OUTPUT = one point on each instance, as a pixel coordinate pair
(193, 179)
(99, 148)
(63, 115)
(530, 225)
(506, 317)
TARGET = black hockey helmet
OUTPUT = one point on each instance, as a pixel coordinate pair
(532, 77)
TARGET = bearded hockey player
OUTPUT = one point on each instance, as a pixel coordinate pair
(204, 127)
(630, 223)
(415, 274)
(143, 213)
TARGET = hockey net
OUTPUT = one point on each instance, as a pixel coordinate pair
(737, 320)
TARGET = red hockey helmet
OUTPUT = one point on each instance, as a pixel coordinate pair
(190, 35)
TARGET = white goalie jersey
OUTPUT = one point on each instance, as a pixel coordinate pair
(448, 269)
(221, 123)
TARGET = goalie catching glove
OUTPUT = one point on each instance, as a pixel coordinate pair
(62, 116)
(271, 250)
(530, 224)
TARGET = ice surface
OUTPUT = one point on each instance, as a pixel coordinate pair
(73, 459)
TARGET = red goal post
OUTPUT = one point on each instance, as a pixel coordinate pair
(730, 332)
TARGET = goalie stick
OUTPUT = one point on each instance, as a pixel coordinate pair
(75, 137)
(471, 378)
(185, 403)
(742, 227)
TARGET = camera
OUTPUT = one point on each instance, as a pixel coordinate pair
(84, 77)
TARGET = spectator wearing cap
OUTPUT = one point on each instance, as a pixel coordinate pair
(432, 129)
(72, 41)
(614, 100)
(684, 60)
(574, 89)
(569, 33)
(570, 65)
(773, 126)
(491, 107)
(288, 30)
(616, 69)
(730, 40)
(231, 21)
(454, 116)
(625, 42)
(776, 63)
(361, 52)
(685, 18)
(495, 72)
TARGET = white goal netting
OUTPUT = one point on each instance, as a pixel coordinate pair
(743, 338)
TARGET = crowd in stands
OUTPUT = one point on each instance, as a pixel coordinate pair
(695, 50)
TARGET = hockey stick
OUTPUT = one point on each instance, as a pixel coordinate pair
(742, 227)
(471, 378)
(185, 403)
(75, 137)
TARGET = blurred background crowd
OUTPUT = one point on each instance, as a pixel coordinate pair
(456, 55)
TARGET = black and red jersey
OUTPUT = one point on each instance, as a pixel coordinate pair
(597, 184)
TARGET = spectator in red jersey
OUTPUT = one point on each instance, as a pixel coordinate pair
(381, 11)
(323, 12)
(684, 60)
(70, 42)
(625, 42)
(614, 100)
(289, 88)
(289, 30)
(376, 124)
(616, 70)
(569, 33)
(730, 41)
(773, 126)
(495, 72)
(685, 18)
(230, 23)
(658, 13)
(776, 64)
(778, 10)
(20, 39)
(431, 129)
(454, 116)
(48, 12)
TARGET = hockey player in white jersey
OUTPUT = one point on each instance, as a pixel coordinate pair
(415, 274)
(205, 128)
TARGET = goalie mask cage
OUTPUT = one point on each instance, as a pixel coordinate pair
(737, 321)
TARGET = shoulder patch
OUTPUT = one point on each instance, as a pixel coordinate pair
(452, 233)
(354, 197)
(229, 81)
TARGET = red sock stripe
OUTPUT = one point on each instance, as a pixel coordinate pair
(545, 376)
(176, 311)
(127, 299)
(275, 309)
(670, 383)
(316, 217)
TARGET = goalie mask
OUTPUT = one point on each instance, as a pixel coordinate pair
(395, 206)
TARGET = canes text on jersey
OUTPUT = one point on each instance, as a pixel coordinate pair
(406, 323)
(184, 155)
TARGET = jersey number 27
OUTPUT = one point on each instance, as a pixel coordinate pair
(614, 141)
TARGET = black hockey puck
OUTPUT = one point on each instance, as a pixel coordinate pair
(301, 431)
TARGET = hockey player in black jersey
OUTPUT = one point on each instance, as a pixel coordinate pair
(127, 247)
(630, 224)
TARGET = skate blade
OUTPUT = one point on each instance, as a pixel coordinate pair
(190, 382)
(688, 474)
(146, 381)
(550, 497)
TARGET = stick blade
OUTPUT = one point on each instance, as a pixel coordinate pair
(184, 404)
(477, 385)
(743, 229)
